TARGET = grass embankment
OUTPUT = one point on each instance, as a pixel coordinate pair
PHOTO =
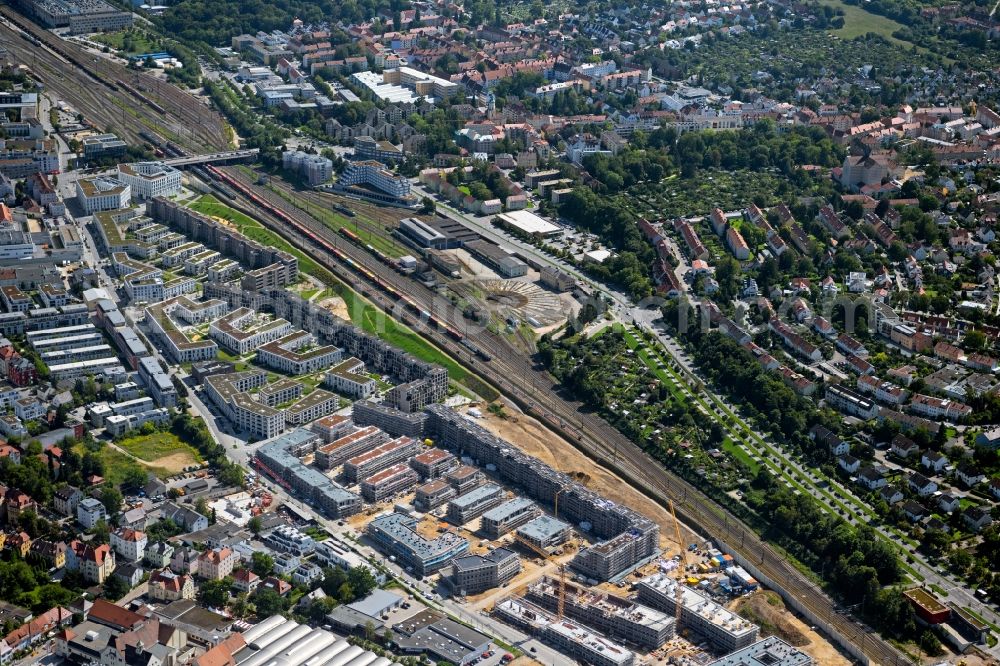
(362, 313)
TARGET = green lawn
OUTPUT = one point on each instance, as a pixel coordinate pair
(129, 42)
(153, 447)
(858, 22)
(117, 465)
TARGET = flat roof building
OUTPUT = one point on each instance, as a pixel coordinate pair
(280, 459)
(544, 532)
(474, 503)
(613, 616)
(396, 534)
(721, 627)
(340, 450)
(389, 482)
(381, 457)
(568, 637)
(473, 574)
(433, 494)
(527, 222)
(771, 651)
(508, 516)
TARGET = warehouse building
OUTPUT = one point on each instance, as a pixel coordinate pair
(508, 516)
(391, 481)
(440, 639)
(615, 617)
(283, 641)
(473, 574)
(723, 629)
(396, 535)
(474, 503)
(503, 262)
(379, 458)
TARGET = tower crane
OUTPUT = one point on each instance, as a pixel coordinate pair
(561, 598)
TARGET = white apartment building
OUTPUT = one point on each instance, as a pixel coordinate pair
(150, 179)
(97, 194)
(89, 512)
(370, 172)
(240, 331)
(129, 543)
(346, 378)
(316, 168)
(295, 354)
(176, 343)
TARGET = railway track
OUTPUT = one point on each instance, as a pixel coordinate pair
(110, 95)
(536, 392)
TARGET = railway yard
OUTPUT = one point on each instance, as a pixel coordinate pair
(109, 95)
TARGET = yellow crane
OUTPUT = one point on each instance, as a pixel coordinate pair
(678, 592)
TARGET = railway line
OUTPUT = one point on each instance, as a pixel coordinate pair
(107, 93)
(534, 390)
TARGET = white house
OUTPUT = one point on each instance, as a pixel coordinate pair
(129, 543)
(89, 512)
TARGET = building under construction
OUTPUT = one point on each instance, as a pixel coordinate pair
(615, 617)
(633, 537)
(474, 503)
(568, 637)
(723, 629)
(337, 452)
(473, 574)
(381, 457)
(279, 458)
(772, 651)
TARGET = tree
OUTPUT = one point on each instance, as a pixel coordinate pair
(320, 608)
(345, 593)
(239, 606)
(112, 499)
(214, 593)
(361, 580)
(427, 206)
(232, 475)
(930, 644)
(262, 564)
(115, 588)
(255, 524)
(975, 340)
(268, 603)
